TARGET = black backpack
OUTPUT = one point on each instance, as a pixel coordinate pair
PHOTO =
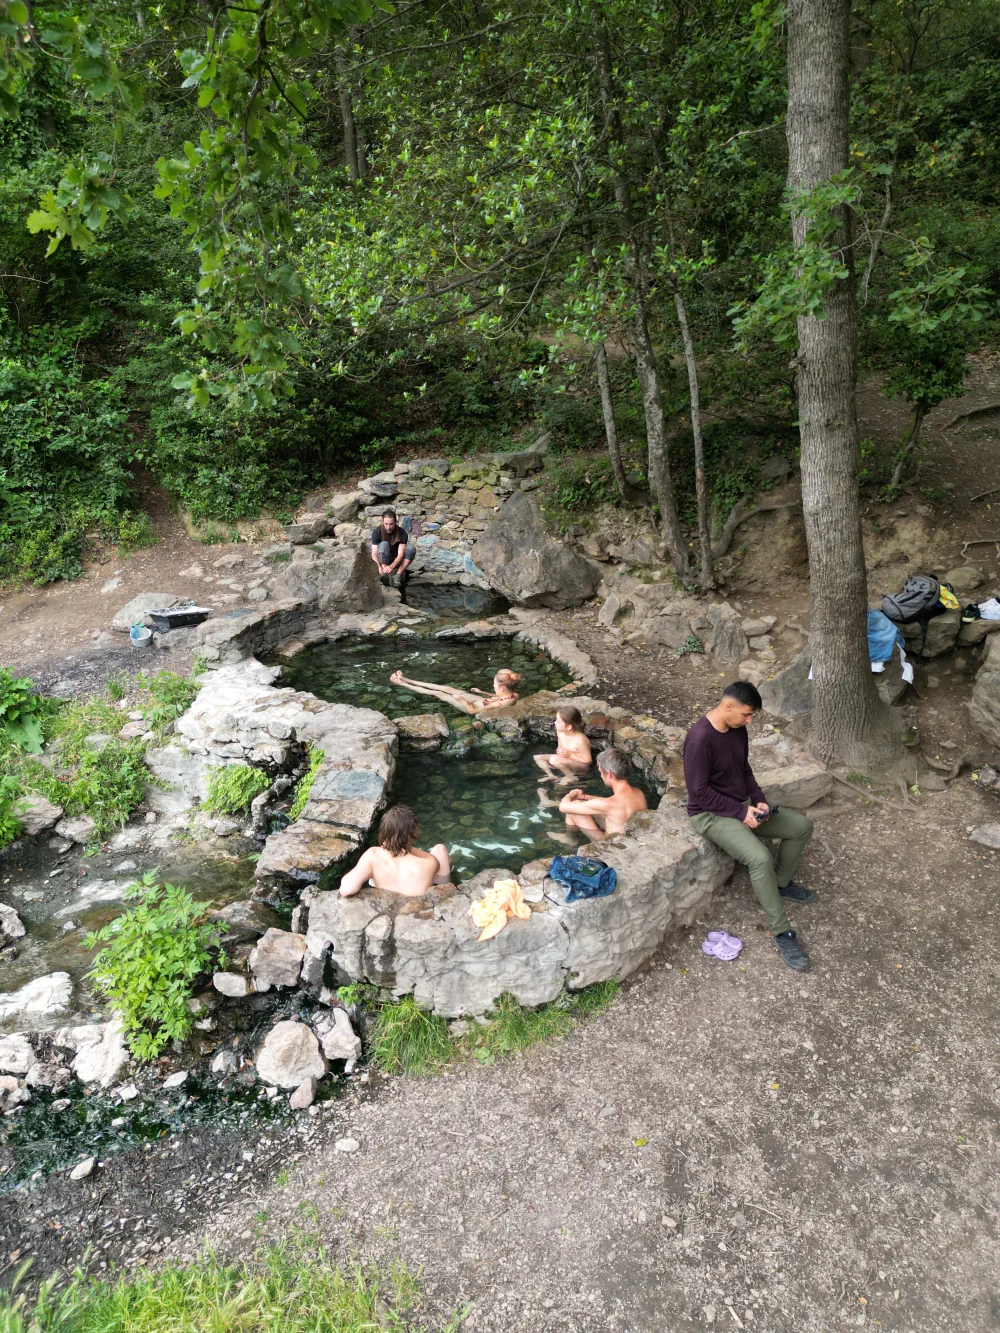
(917, 604)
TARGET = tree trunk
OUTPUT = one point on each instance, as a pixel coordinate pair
(637, 268)
(704, 536)
(347, 115)
(850, 724)
(610, 425)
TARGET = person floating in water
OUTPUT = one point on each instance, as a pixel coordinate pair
(395, 865)
(469, 701)
(572, 757)
(582, 811)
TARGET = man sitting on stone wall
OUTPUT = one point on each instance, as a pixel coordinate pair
(728, 807)
(392, 549)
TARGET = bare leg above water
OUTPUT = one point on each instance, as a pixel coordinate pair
(440, 853)
(467, 702)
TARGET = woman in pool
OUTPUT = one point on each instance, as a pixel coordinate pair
(469, 701)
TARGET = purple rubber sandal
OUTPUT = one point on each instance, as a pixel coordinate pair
(723, 937)
(726, 949)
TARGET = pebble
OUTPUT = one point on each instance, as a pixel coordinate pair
(176, 1080)
(668, 1221)
(83, 1169)
(127, 1093)
(346, 1145)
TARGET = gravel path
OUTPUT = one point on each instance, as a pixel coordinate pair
(813, 1152)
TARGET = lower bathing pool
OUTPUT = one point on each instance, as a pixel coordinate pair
(490, 806)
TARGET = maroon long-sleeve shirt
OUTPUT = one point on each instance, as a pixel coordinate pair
(717, 771)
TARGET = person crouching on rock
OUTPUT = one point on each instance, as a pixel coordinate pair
(469, 701)
(392, 549)
(572, 757)
(395, 865)
(727, 807)
(582, 811)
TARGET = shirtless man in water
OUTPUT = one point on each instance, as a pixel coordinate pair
(469, 701)
(395, 865)
(572, 757)
(582, 812)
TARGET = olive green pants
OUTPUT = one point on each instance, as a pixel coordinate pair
(792, 829)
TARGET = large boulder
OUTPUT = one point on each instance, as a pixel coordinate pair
(38, 814)
(527, 566)
(788, 694)
(38, 999)
(343, 506)
(942, 634)
(277, 959)
(984, 706)
(134, 612)
(11, 926)
(795, 785)
(290, 1055)
(16, 1054)
(100, 1049)
(727, 642)
(308, 528)
(339, 579)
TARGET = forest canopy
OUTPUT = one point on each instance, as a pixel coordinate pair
(242, 246)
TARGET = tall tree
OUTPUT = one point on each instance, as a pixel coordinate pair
(850, 724)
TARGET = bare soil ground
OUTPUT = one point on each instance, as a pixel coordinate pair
(730, 1144)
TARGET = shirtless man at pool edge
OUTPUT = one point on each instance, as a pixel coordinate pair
(469, 701)
(572, 757)
(395, 865)
(582, 812)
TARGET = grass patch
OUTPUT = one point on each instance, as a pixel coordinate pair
(231, 789)
(169, 695)
(293, 1287)
(302, 791)
(407, 1040)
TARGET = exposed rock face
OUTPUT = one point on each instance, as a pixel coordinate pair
(339, 579)
(38, 999)
(17, 1055)
(430, 946)
(48, 1074)
(424, 731)
(11, 926)
(290, 1055)
(984, 706)
(37, 814)
(728, 642)
(529, 567)
(277, 959)
(100, 1049)
(301, 852)
(242, 632)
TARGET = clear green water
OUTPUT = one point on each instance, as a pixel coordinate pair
(485, 805)
(357, 670)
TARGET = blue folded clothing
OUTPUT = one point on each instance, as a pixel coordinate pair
(583, 876)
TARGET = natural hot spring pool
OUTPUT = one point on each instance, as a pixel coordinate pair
(357, 670)
(484, 806)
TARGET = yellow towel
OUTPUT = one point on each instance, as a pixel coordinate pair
(492, 911)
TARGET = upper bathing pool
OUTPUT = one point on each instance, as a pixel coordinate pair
(357, 670)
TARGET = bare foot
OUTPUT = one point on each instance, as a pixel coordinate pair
(546, 801)
(396, 677)
(564, 839)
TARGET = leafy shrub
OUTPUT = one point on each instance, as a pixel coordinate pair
(22, 711)
(305, 784)
(577, 485)
(151, 958)
(170, 695)
(10, 799)
(575, 423)
(231, 789)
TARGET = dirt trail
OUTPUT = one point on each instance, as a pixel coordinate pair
(821, 1150)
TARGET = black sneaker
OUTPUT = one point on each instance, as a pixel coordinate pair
(791, 950)
(798, 893)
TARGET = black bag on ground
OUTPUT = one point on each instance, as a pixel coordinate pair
(917, 604)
